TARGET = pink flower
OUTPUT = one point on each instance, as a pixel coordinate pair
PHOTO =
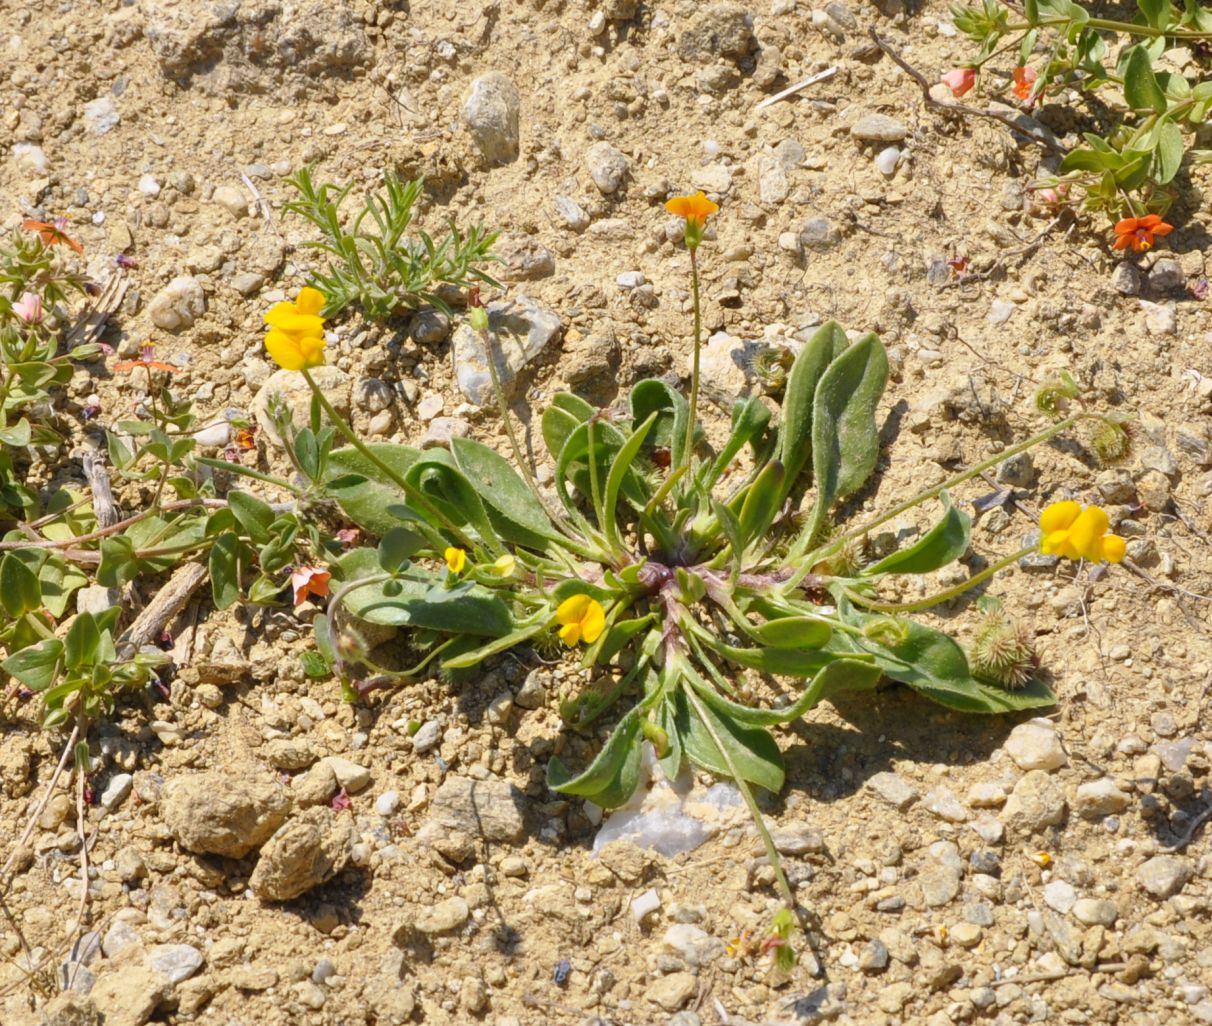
(960, 80)
(29, 308)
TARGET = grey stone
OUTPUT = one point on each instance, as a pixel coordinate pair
(176, 306)
(1095, 912)
(693, 945)
(224, 813)
(1163, 876)
(524, 260)
(1126, 279)
(428, 737)
(607, 167)
(817, 233)
(30, 158)
(672, 991)
(878, 128)
(442, 429)
(232, 199)
(177, 962)
(1166, 275)
(306, 851)
(798, 839)
(349, 774)
(721, 30)
(1060, 895)
(571, 213)
(96, 599)
(1018, 471)
(429, 327)
(291, 389)
(893, 789)
(1035, 745)
(1035, 804)
(491, 809)
(1099, 798)
(491, 114)
(533, 692)
(945, 805)
(444, 916)
(116, 790)
(940, 884)
(874, 957)
(76, 977)
(521, 330)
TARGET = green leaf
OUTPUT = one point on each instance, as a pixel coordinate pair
(793, 632)
(750, 418)
(832, 679)
(561, 419)
(653, 397)
(1031, 9)
(254, 515)
(762, 501)
(1168, 156)
(1087, 160)
(118, 563)
(476, 656)
(618, 470)
(82, 642)
(944, 543)
(37, 666)
(1141, 88)
(397, 547)
(422, 602)
(18, 435)
(845, 441)
(618, 635)
(58, 579)
(502, 490)
(1157, 13)
(20, 592)
(794, 445)
(367, 501)
(612, 777)
(225, 570)
(752, 750)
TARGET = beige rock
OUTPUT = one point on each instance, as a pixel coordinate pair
(305, 852)
(225, 813)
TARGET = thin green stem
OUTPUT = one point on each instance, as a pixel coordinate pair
(410, 491)
(806, 563)
(945, 595)
(1110, 25)
(693, 419)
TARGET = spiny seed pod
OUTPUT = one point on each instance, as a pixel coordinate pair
(770, 364)
(1111, 441)
(847, 561)
(1003, 651)
(1054, 395)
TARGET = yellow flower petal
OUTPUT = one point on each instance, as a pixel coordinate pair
(505, 566)
(285, 351)
(1059, 516)
(312, 350)
(1114, 548)
(572, 609)
(1087, 531)
(570, 634)
(593, 622)
(456, 560)
(310, 301)
(276, 313)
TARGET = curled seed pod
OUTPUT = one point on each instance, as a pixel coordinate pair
(1003, 651)
(1111, 441)
(1054, 395)
(769, 365)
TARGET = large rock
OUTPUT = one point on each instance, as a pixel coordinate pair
(309, 850)
(291, 388)
(1163, 876)
(1035, 745)
(521, 330)
(1036, 803)
(229, 813)
(722, 30)
(490, 809)
(176, 306)
(491, 115)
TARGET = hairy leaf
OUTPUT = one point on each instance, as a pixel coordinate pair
(944, 543)
(612, 777)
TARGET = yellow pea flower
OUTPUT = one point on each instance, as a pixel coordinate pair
(296, 331)
(696, 209)
(582, 619)
(504, 566)
(1076, 533)
(456, 560)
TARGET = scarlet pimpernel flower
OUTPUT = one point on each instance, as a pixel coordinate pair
(29, 307)
(295, 338)
(582, 618)
(309, 580)
(1024, 82)
(1140, 233)
(147, 360)
(960, 81)
(1072, 532)
(52, 233)
(695, 209)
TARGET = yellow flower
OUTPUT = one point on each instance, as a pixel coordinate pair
(456, 560)
(696, 209)
(583, 619)
(1075, 533)
(504, 566)
(296, 331)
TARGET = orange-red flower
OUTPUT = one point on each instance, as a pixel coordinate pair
(147, 361)
(960, 81)
(695, 209)
(52, 234)
(309, 580)
(1024, 82)
(1140, 233)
